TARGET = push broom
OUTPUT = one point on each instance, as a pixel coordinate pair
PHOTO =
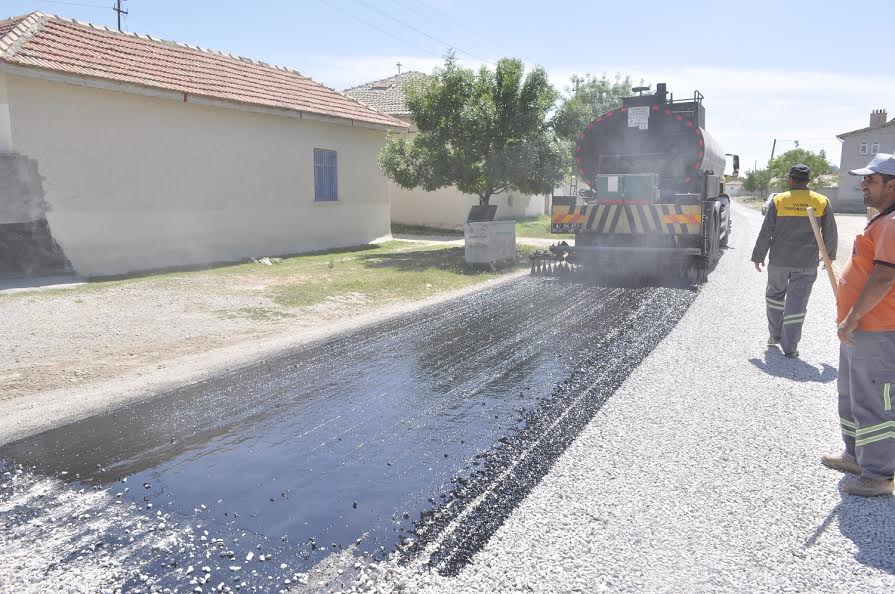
(823, 251)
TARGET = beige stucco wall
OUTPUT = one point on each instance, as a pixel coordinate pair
(136, 183)
(448, 207)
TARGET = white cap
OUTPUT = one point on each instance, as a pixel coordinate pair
(881, 163)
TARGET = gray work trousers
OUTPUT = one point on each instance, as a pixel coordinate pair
(866, 394)
(787, 302)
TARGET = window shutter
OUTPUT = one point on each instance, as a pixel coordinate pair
(325, 175)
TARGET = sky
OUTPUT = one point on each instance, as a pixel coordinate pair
(785, 69)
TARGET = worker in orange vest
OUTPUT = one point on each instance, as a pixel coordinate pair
(866, 317)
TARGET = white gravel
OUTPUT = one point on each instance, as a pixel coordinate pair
(57, 539)
(700, 474)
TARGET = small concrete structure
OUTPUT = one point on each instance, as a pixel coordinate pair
(27, 247)
(490, 242)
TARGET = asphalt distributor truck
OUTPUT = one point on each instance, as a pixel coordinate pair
(655, 204)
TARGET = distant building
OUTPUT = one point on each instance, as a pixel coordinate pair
(447, 207)
(858, 147)
(121, 152)
(733, 187)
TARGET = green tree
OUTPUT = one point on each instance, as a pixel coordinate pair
(588, 97)
(756, 181)
(817, 162)
(484, 132)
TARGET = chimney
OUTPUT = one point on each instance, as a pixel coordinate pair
(877, 118)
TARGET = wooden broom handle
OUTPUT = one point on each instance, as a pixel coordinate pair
(823, 250)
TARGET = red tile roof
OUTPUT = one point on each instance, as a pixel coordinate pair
(61, 45)
(8, 25)
(387, 95)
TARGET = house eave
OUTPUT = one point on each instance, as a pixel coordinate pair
(184, 97)
(867, 129)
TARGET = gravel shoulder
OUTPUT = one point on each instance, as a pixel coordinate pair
(701, 472)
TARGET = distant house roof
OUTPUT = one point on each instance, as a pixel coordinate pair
(387, 95)
(886, 125)
(59, 45)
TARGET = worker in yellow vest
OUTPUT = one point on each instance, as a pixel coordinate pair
(792, 265)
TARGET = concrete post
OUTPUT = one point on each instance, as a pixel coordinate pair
(6, 145)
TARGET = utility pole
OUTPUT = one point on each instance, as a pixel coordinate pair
(398, 64)
(120, 11)
(767, 187)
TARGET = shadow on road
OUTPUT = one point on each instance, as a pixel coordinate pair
(870, 524)
(776, 364)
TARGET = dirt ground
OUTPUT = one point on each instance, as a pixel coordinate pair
(71, 353)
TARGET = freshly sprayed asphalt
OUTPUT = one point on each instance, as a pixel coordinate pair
(423, 433)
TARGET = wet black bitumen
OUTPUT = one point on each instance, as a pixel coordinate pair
(427, 430)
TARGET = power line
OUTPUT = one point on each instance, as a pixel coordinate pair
(103, 6)
(419, 31)
(410, 8)
(373, 26)
(442, 16)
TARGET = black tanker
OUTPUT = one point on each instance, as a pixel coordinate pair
(655, 202)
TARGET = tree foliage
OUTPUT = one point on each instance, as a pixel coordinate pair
(778, 169)
(484, 132)
(589, 96)
(817, 162)
(757, 180)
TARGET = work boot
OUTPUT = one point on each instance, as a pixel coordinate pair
(841, 463)
(868, 487)
(792, 354)
(773, 340)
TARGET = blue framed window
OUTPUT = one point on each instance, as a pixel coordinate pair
(325, 176)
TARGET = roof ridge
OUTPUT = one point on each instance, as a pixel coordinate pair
(300, 90)
(29, 24)
(393, 77)
(205, 50)
(181, 44)
(866, 128)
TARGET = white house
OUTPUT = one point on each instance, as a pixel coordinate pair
(858, 148)
(134, 153)
(447, 207)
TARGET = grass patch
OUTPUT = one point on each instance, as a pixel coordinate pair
(344, 278)
(754, 202)
(257, 314)
(538, 227)
(386, 275)
(401, 229)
